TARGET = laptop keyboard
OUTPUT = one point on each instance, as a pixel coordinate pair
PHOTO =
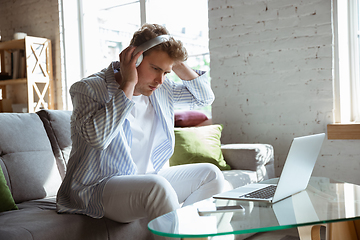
(263, 193)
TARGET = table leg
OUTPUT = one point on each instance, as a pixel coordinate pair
(305, 233)
(342, 230)
(347, 230)
(315, 232)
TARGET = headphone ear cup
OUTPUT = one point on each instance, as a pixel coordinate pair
(139, 60)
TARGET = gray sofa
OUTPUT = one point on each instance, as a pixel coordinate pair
(34, 149)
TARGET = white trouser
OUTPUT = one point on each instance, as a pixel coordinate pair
(127, 198)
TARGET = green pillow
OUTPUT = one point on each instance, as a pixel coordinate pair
(6, 200)
(198, 145)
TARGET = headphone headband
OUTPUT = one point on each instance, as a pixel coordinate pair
(152, 43)
(149, 44)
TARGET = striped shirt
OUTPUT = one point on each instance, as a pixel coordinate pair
(101, 135)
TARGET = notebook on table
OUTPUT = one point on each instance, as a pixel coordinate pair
(295, 176)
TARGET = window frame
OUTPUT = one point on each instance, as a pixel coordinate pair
(346, 75)
(76, 36)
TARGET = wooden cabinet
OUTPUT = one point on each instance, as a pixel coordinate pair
(31, 87)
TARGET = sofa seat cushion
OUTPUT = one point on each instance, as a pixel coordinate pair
(38, 220)
(26, 157)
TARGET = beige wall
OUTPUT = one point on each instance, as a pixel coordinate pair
(38, 18)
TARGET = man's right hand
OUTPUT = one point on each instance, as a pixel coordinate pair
(128, 73)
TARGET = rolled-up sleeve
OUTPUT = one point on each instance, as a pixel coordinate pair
(196, 92)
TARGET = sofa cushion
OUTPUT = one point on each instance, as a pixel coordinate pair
(189, 118)
(197, 145)
(57, 126)
(26, 154)
(6, 199)
(253, 157)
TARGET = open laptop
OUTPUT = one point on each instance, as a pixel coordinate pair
(294, 178)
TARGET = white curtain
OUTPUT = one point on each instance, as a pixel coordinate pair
(346, 61)
(354, 54)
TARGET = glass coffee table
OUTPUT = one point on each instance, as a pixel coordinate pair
(323, 202)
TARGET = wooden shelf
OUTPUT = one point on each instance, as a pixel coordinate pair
(13, 81)
(343, 131)
(35, 90)
(14, 44)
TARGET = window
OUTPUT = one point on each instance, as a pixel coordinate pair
(179, 18)
(346, 21)
(106, 27)
(347, 91)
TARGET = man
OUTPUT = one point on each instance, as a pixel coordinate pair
(122, 133)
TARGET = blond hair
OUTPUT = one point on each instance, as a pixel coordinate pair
(174, 48)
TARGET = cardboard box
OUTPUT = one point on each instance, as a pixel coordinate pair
(19, 108)
(5, 105)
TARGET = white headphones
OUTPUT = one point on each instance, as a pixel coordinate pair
(149, 44)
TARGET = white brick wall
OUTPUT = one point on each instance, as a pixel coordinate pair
(271, 69)
(39, 18)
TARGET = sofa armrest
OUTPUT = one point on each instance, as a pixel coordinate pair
(253, 157)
